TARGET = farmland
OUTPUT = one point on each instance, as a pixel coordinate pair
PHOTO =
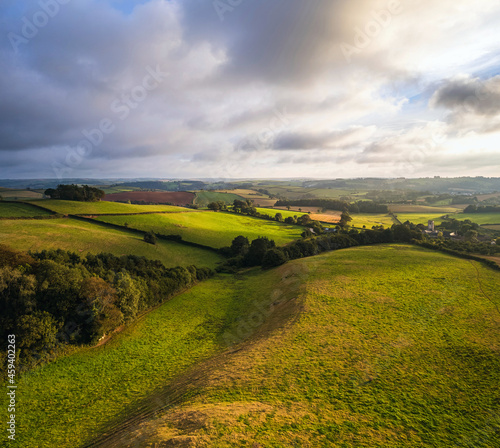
(363, 360)
(84, 237)
(480, 218)
(369, 362)
(370, 219)
(397, 209)
(203, 198)
(259, 199)
(420, 218)
(97, 208)
(159, 197)
(209, 228)
(20, 210)
(20, 195)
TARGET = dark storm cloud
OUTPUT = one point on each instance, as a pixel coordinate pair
(469, 94)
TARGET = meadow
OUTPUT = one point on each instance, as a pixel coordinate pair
(381, 346)
(395, 347)
(85, 237)
(479, 218)
(397, 209)
(20, 210)
(370, 219)
(214, 229)
(68, 401)
(102, 207)
(420, 218)
(285, 213)
(20, 195)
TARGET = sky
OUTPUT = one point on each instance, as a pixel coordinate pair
(249, 88)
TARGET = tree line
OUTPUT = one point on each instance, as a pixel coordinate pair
(75, 193)
(54, 299)
(482, 209)
(264, 252)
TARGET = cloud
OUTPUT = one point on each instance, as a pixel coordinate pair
(338, 139)
(469, 95)
(229, 82)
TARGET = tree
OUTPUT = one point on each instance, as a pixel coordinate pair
(217, 206)
(104, 315)
(345, 218)
(239, 246)
(150, 237)
(129, 295)
(278, 217)
(37, 332)
(257, 250)
(273, 257)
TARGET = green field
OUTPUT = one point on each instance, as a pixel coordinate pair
(20, 195)
(103, 207)
(394, 346)
(479, 218)
(65, 402)
(203, 198)
(82, 237)
(209, 228)
(420, 218)
(370, 219)
(10, 210)
(284, 213)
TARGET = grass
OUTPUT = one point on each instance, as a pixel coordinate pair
(396, 347)
(95, 208)
(494, 227)
(11, 210)
(404, 209)
(66, 402)
(370, 219)
(420, 218)
(83, 237)
(203, 198)
(17, 195)
(479, 218)
(210, 228)
(284, 213)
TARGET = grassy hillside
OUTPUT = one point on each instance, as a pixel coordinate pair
(11, 210)
(284, 213)
(65, 402)
(396, 347)
(83, 237)
(209, 228)
(95, 208)
(407, 356)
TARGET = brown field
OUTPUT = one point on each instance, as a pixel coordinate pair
(492, 226)
(158, 197)
(330, 217)
(485, 197)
